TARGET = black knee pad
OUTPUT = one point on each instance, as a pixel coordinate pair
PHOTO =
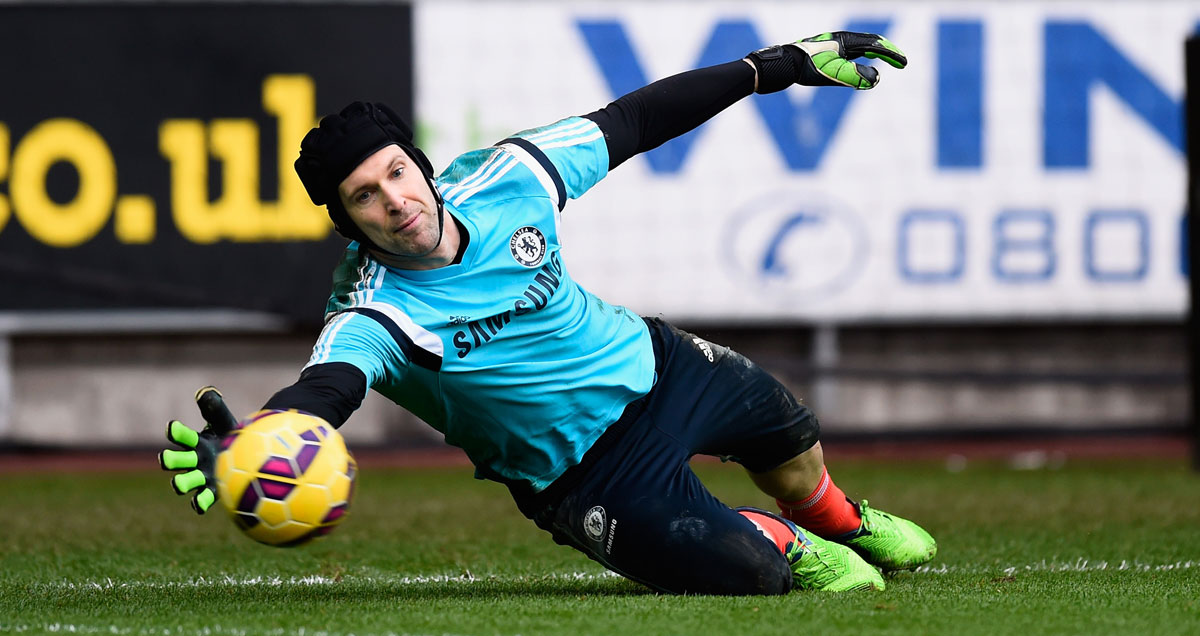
(765, 572)
(731, 562)
(768, 451)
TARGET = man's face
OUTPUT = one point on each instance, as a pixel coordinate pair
(391, 201)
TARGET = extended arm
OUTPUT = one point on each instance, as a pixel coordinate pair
(331, 391)
(646, 118)
(660, 111)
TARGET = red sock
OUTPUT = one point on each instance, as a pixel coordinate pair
(827, 511)
(774, 529)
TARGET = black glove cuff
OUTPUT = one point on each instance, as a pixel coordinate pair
(778, 67)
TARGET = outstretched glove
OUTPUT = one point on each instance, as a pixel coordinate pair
(200, 450)
(824, 60)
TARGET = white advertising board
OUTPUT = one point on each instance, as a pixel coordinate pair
(1028, 164)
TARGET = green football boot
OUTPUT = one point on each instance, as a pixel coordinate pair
(818, 564)
(888, 541)
(823, 565)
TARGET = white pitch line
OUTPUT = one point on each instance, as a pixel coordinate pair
(1044, 565)
(1050, 565)
(303, 581)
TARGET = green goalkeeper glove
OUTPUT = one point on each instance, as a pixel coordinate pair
(199, 456)
(824, 60)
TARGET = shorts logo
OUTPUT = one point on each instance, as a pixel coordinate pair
(528, 246)
(594, 523)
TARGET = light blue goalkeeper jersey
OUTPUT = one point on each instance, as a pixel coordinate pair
(504, 353)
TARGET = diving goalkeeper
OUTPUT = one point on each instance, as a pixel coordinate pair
(453, 299)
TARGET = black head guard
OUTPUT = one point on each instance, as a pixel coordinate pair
(332, 150)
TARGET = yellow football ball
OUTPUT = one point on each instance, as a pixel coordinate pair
(285, 477)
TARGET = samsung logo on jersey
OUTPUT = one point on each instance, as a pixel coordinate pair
(535, 297)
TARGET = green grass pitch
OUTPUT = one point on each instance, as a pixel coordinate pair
(1097, 547)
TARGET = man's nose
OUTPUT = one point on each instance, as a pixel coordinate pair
(396, 202)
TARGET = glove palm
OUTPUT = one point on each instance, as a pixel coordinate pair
(830, 58)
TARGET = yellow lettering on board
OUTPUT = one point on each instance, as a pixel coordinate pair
(76, 143)
(4, 209)
(292, 99)
(133, 222)
(234, 143)
(238, 214)
(182, 142)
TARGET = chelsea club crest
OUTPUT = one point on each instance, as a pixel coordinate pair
(528, 246)
(594, 523)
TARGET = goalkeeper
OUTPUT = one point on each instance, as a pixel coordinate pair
(453, 300)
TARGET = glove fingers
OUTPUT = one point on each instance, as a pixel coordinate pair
(177, 433)
(203, 500)
(177, 460)
(185, 482)
(874, 46)
(891, 56)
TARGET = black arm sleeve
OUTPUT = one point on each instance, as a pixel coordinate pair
(663, 110)
(330, 391)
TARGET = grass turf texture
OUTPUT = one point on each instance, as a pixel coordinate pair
(1101, 547)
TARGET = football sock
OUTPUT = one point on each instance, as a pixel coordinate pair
(826, 512)
(774, 529)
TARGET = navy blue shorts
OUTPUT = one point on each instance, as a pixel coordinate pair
(634, 504)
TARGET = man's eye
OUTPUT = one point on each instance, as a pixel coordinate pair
(397, 172)
(363, 197)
